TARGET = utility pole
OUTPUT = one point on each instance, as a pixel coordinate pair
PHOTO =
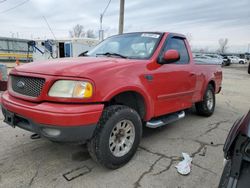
(101, 31)
(121, 18)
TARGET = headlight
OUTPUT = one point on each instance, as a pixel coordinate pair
(71, 89)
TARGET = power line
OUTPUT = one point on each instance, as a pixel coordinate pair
(16, 6)
(49, 27)
(106, 7)
(102, 14)
(101, 17)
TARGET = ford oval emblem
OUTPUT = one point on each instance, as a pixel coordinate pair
(20, 84)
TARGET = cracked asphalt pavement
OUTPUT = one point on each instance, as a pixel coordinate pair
(41, 163)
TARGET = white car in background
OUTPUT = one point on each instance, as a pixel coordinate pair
(216, 57)
(208, 58)
(235, 59)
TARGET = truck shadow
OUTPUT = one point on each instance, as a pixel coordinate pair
(81, 155)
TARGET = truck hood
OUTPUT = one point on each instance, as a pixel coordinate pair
(74, 67)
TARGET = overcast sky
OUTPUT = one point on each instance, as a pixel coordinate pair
(206, 20)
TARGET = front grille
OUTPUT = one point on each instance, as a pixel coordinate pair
(28, 86)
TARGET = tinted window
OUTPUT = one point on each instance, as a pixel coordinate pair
(179, 45)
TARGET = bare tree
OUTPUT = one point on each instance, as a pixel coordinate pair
(90, 33)
(77, 31)
(223, 45)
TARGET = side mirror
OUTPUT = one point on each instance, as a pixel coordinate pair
(170, 56)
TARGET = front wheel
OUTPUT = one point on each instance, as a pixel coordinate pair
(207, 105)
(117, 136)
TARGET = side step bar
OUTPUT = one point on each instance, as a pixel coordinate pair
(165, 120)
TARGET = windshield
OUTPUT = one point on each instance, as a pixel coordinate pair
(132, 45)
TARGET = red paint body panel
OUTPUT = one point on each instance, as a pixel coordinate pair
(53, 113)
(174, 87)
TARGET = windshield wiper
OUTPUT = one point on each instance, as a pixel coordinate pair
(112, 54)
(83, 54)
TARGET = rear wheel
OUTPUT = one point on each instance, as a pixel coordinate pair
(117, 136)
(241, 62)
(207, 105)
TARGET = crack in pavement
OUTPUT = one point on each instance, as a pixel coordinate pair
(216, 125)
(201, 147)
(207, 144)
(161, 156)
(167, 168)
(206, 169)
(137, 183)
(35, 175)
(176, 158)
(229, 104)
(32, 179)
(224, 129)
(156, 153)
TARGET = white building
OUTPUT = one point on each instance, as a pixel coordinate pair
(59, 48)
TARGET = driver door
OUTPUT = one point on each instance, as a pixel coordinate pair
(175, 81)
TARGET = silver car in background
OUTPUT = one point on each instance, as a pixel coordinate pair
(209, 58)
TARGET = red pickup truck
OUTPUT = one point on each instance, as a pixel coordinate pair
(105, 98)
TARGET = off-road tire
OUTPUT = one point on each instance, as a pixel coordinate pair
(98, 146)
(202, 106)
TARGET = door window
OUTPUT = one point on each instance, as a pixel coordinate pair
(179, 45)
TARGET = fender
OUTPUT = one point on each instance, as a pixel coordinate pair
(147, 99)
(205, 86)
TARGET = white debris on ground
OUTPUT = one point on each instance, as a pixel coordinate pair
(184, 167)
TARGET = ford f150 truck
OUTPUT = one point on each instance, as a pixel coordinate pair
(105, 98)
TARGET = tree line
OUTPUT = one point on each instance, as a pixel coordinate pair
(78, 31)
